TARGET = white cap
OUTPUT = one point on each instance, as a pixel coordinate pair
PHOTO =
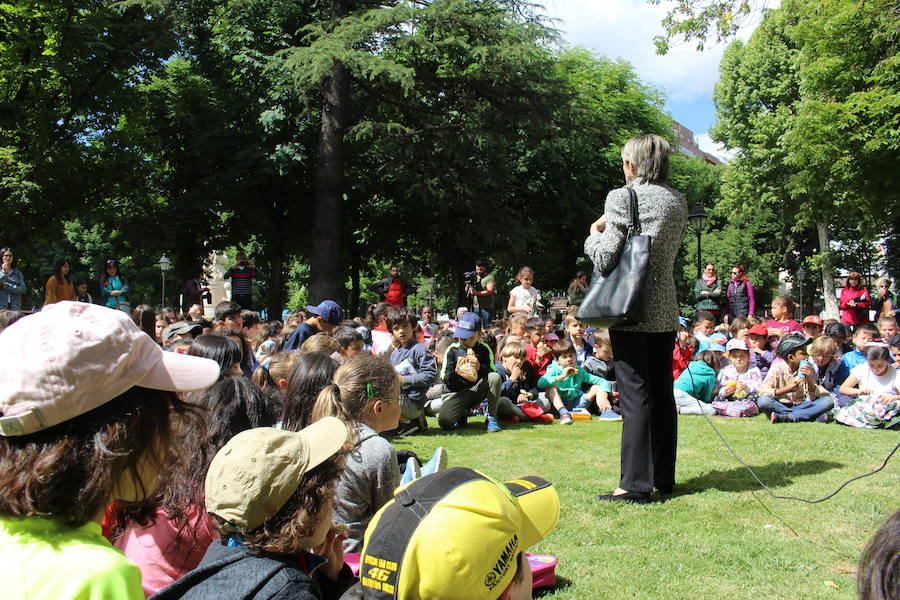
(73, 357)
(737, 345)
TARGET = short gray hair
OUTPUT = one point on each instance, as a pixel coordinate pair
(649, 154)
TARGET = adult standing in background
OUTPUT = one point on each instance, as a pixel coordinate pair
(241, 275)
(393, 289)
(643, 352)
(194, 290)
(708, 292)
(482, 292)
(114, 287)
(855, 302)
(59, 287)
(740, 300)
(12, 282)
(578, 288)
(885, 302)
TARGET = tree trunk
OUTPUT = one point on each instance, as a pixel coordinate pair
(324, 277)
(831, 305)
(355, 265)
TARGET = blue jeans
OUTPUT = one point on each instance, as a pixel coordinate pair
(808, 410)
(486, 315)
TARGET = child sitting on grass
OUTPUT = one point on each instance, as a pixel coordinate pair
(539, 354)
(575, 336)
(365, 395)
(782, 322)
(738, 380)
(812, 326)
(686, 345)
(758, 343)
(469, 375)
(703, 328)
(563, 382)
(693, 390)
(875, 384)
(416, 367)
(864, 334)
(789, 393)
(270, 493)
(887, 328)
(515, 388)
(350, 343)
(825, 362)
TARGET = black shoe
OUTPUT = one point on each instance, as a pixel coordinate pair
(630, 497)
(408, 428)
(665, 490)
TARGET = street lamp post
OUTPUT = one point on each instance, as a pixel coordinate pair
(163, 267)
(801, 274)
(697, 218)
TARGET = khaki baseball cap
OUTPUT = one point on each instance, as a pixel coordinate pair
(73, 357)
(258, 470)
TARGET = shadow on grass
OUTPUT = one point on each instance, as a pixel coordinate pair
(561, 584)
(738, 479)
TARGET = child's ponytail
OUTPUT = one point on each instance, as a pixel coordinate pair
(356, 383)
(328, 404)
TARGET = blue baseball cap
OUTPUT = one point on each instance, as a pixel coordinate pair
(329, 310)
(717, 342)
(469, 325)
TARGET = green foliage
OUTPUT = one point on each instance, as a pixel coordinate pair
(153, 127)
(699, 19)
(794, 103)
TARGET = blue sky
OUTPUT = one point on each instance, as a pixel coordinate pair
(625, 29)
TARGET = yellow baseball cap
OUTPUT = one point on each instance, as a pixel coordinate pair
(258, 470)
(454, 534)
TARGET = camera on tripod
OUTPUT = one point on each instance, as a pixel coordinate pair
(470, 277)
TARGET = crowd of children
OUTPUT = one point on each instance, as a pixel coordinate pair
(791, 371)
(284, 460)
(214, 484)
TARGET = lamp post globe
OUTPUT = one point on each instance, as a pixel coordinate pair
(698, 218)
(164, 263)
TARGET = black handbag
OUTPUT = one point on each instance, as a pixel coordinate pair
(619, 297)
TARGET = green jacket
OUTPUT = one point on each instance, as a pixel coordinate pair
(570, 387)
(715, 299)
(698, 380)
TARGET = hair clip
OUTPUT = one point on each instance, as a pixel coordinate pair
(369, 390)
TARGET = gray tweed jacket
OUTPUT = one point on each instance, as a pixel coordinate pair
(662, 215)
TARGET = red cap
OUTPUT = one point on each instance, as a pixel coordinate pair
(759, 329)
(812, 319)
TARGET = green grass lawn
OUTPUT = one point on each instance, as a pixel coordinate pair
(711, 538)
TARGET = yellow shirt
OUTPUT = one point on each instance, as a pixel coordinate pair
(44, 559)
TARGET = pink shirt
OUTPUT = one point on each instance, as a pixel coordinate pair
(787, 327)
(156, 550)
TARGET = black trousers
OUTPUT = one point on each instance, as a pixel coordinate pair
(649, 421)
(242, 299)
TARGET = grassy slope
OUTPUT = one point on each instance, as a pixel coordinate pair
(712, 536)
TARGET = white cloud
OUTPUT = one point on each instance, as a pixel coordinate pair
(625, 28)
(707, 144)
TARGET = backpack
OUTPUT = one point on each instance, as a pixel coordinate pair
(735, 408)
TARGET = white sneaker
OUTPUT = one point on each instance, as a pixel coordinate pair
(413, 471)
(437, 463)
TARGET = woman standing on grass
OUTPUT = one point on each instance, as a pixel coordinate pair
(643, 352)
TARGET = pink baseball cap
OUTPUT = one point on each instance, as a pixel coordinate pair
(72, 357)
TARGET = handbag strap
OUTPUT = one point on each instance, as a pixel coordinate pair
(634, 225)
